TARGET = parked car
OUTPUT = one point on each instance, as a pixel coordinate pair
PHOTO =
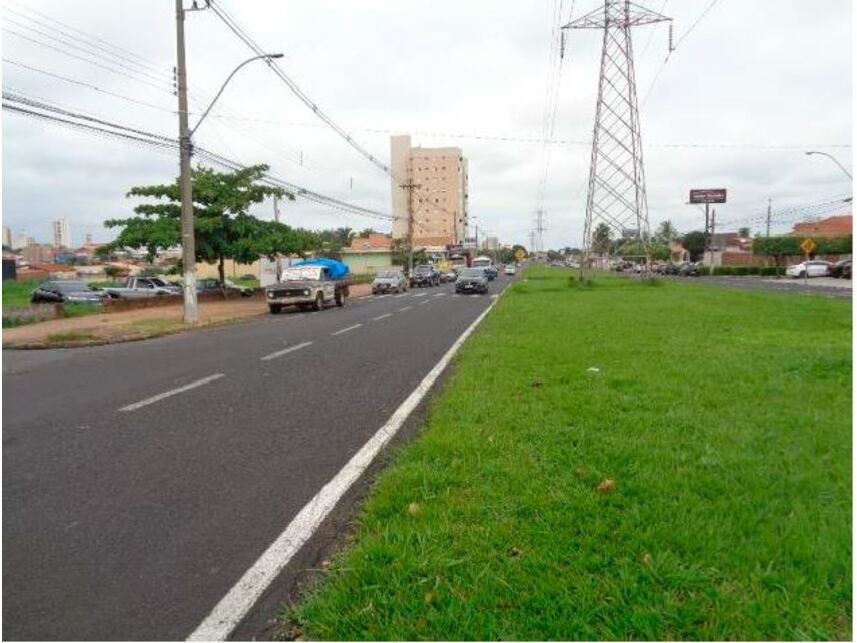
(841, 269)
(448, 276)
(490, 273)
(425, 275)
(143, 287)
(389, 281)
(66, 292)
(809, 269)
(213, 285)
(472, 280)
(688, 269)
(509, 270)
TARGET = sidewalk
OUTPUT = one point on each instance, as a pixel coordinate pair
(137, 324)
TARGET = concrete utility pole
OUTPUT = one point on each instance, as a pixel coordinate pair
(191, 313)
(768, 220)
(277, 219)
(410, 186)
(711, 243)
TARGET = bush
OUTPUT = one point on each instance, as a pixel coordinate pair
(742, 271)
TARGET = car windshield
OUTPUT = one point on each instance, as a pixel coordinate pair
(422, 269)
(67, 286)
(473, 272)
(388, 275)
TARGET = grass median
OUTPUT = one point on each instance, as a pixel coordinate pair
(617, 460)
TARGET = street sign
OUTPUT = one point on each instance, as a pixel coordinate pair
(808, 246)
(716, 195)
(520, 254)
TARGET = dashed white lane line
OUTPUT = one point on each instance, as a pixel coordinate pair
(346, 329)
(380, 317)
(404, 294)
(440, 294)
(404, 308)
(422, 294)
(290, 349)
(232, 608)
(170, 393)
(427, 301)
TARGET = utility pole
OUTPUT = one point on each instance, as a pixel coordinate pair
(768, 220)
(711, 243)
(277, 219)
(191, 315)
(540, 228)
(410, 186)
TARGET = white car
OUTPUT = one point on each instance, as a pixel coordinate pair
(809, 269)
(509, 270)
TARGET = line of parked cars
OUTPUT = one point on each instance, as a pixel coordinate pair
(472, 279)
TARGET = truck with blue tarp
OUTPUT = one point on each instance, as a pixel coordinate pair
(310, 284)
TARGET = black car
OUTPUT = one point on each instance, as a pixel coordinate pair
(841, 269)
(66, 292)
(213, 285)
(425, 276)
(472, 280)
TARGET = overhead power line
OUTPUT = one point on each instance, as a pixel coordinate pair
(233, 26)
(116, 130)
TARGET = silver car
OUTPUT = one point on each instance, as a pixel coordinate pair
(390, 281)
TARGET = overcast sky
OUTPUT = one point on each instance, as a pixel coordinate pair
(751, 74)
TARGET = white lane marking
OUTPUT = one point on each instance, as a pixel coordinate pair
(427, 301)
(232, 608)
(422, 294)
(404, 308)
(170, 393)
(380, 317)
(494, 296)
(440, 294)
(404, 294)
(346, 329)
(290, 349)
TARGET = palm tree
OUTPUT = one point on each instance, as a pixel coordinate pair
(666, 232)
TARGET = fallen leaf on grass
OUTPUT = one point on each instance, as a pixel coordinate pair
(606, 486)
(581, 472)
(647, 559)
(593, 369)
(537, 384)
(514, 552)
(414, 508)
(430, 598)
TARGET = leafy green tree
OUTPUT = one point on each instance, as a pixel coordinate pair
(401, 256)
(666, 232)
(223, 227)
(601, 239)
(113, 271)
(694, 243)
(365, 234)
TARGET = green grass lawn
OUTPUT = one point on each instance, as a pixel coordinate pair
(16, 294)
(723, 420)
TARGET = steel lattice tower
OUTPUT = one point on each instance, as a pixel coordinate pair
(617, 183)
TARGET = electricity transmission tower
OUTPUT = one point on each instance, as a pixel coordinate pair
(617, 183)
(539, 231)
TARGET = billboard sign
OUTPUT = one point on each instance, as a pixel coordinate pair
(716, 195)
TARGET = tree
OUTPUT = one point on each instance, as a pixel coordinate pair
(401, 256)
(666, 232)
(601, 239)
(113, 271)
(365, 234)
(223, 227)
(694, 243)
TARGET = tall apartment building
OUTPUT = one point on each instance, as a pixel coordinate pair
(7, 236)
(440, 204)
(62, 236)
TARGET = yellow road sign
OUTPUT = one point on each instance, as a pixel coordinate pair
(808, 246)
(520, 254)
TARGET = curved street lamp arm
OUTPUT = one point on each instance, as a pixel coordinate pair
(225, 83)
(833, 158)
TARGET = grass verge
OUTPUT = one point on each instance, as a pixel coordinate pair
(617, 461)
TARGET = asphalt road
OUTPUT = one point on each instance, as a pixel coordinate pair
(134, 523)
(817, 287)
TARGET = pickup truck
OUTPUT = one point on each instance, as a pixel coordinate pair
(311, 284)
(143, 287)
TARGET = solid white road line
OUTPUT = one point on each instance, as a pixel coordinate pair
(170, 393)
(232, 608)
(380, 317)
(276, 354)
(404, 308)
(345, 330)
(494, 296)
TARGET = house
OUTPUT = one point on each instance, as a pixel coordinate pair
(678, 253)
(838, 226)
(370, 254)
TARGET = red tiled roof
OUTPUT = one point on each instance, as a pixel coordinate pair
(840, 226)
(373, 242)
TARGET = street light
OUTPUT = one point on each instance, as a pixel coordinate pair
(832, 158)
(191, 313)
